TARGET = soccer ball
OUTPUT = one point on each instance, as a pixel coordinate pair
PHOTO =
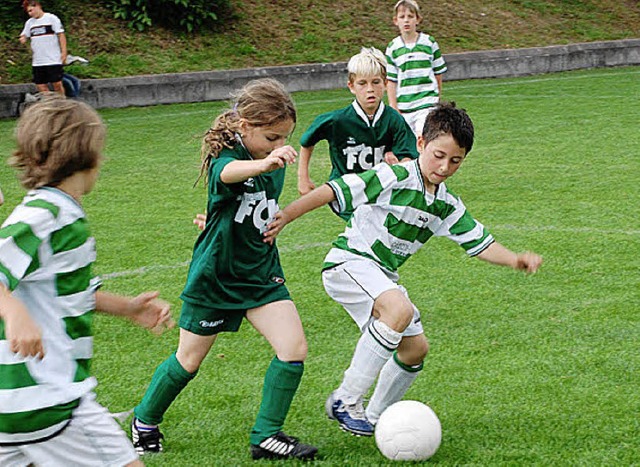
(408, 431)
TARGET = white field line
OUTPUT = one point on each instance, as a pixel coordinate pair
(309, 246)
(468, 85)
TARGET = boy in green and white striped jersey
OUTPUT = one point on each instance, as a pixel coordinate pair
(397, 209)
(414, 66)
(48, 294)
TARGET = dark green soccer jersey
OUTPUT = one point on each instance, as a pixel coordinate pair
(356, 143)
(232, 268)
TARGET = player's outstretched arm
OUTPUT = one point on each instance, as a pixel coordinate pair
(22, 333)
(318, 197)
(145, 309)
(497, 254)
(239, 171)
(305, 184)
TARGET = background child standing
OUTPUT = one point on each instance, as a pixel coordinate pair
(48, 45)
(234, 274)
(363, 134)
(414, 67)
(48, 412)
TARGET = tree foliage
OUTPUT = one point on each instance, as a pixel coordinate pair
(186, 15)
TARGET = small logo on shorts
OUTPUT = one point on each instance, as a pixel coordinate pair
(211, 324)
(277, 280)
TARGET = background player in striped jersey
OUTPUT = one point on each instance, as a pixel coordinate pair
(234, 274)
(48, 412)
(363, 134)
(397, 209)
(414, 67)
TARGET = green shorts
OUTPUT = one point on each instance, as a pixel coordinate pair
(209, 321)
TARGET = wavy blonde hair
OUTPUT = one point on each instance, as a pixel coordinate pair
(260, 103)
(369, 62)
(56, 137)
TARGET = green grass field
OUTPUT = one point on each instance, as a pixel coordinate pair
(523, 370)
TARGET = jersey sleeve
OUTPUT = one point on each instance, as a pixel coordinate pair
(438, 65)
(20, 240)
(217, 188)
(26, 31)
(319, 129)
(460, 227)
(392, 69)
(353, 190)
(57, 24)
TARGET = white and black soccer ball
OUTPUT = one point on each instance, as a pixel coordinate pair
(408, 431)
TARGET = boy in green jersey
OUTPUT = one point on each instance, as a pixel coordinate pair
(48, 411)
(396, 209)
(234, 274)
(363, 134)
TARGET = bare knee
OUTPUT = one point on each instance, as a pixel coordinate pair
(413, 350)
(294, 350)
(135, 463)
(394, 309)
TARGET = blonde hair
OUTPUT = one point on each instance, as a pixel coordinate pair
(410, 5)
(260, 103)
(56, 137)
(369, 62)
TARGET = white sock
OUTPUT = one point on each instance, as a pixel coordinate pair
(394, 381)
(374, 348)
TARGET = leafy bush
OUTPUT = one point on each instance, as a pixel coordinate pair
(186, 15)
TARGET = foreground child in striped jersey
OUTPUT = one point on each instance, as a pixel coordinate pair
(397, 209)
(48, 411)
(414, 67)
(235, 275)
(362, 134)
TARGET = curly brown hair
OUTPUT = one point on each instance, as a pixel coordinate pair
(260, 103)
(56, 137)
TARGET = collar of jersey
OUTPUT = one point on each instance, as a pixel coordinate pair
(363, 115)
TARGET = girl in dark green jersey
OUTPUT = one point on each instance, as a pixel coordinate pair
(234, 274)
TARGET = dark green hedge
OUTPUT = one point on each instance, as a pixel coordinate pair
(186, 15)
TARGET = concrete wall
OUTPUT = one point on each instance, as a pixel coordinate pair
(216, 85)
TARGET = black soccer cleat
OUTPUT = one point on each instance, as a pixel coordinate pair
(281, 446)
(146, 441)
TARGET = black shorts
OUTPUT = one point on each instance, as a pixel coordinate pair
(47, 74)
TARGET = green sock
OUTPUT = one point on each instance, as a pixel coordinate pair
(168, 380)
(280, 385)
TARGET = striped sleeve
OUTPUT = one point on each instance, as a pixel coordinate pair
(462, 228)
(20, 238)
(353, 190)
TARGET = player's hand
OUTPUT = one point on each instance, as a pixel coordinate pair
(23, 39)
(23, 334)
(528, 262)
(280, 157)
(151, 313)
(305, 186)
(390, 158)
(280, 220)
(200, 221)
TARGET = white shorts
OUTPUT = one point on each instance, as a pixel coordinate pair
(93, 438)
(417, 119)
(355, 284)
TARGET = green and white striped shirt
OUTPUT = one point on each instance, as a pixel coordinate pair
(46, 253)
(415, 70)
(394, 216)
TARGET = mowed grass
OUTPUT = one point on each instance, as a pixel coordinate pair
(523, 370)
